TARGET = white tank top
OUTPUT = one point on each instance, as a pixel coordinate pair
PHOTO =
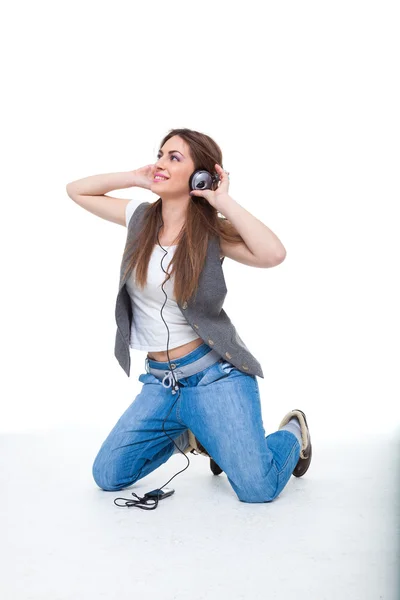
(148, 330)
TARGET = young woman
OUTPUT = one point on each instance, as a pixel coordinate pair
(218, 401)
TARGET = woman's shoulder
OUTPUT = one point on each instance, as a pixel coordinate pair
(131, 208)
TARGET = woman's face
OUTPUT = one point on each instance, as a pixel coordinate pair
(173, 161)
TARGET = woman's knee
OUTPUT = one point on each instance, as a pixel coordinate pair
(105, 475)
(255, 495)
(102, 477)
(256, 489)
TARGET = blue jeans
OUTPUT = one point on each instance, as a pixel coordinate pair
(221, 407)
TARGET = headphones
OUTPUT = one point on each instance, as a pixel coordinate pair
(199, 180)
(202, 180)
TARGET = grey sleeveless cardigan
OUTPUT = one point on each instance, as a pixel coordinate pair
(203, 312)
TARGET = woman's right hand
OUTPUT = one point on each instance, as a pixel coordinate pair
(144, 176)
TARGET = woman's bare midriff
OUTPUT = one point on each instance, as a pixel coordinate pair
(177, 352)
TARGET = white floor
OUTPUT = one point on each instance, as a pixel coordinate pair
(332, 534)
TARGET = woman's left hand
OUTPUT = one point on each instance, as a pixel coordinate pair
(212, 196)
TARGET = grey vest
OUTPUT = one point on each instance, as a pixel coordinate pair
(203, 312)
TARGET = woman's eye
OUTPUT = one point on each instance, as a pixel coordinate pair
(173, 156)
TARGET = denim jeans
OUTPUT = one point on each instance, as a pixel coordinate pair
(221, 407)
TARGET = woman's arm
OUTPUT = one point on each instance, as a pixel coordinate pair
(90, 194)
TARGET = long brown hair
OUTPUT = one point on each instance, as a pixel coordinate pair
(202, 221)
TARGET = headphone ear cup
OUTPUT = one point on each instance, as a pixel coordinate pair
(201, 180)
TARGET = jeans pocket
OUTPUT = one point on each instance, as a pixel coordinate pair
(217, 371)
(226, 367)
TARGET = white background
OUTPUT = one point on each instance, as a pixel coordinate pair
(304, 104)
(303, 99)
